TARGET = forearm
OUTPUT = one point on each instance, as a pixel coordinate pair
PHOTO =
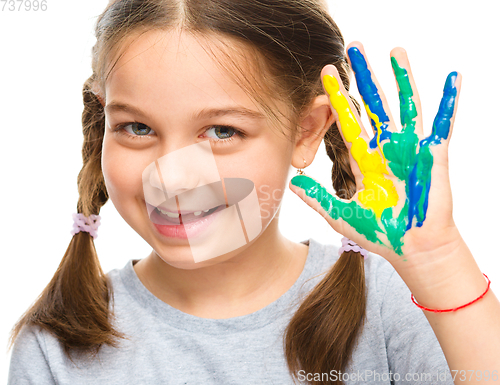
(469, 337)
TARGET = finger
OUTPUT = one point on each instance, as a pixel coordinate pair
(373, 98)
(419, 182)
(445, 117)
(350, 123)
(409, 101)
(379, 192)
(336, 210)
(348, 117)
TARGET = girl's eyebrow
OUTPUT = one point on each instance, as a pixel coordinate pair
(205, 113)
(117, 107)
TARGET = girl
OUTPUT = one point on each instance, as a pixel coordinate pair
(263, 84)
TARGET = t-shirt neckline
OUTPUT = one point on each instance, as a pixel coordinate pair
(180, 320)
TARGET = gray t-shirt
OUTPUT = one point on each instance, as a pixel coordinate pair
(167, 346)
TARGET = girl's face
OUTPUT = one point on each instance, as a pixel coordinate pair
(177, 96)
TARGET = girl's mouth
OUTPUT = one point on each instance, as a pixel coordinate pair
(169, 218)
(184, 226)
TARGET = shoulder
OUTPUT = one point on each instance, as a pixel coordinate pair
(29, 359)
(387, 293)
(115, 274)
(30, 338)
(379, 273)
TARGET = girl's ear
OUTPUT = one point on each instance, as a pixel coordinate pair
(312, 128)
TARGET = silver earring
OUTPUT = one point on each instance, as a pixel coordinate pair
(300, 171)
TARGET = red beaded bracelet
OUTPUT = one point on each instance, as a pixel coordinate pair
(460, 307)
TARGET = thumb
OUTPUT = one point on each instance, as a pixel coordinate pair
(315, 195)
(336, 211)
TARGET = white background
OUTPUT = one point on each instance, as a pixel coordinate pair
(45, 59)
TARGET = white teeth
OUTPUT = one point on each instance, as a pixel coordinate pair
(206, 211)
(169, 214)
(176, 215)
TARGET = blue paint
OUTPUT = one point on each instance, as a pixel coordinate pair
(442, 121)
(419, 182)
(418, 186)
(370, 95)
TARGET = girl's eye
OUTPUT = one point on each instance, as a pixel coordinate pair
(224, 133)
(138, 129)
(219, 134)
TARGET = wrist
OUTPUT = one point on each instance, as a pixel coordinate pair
(448, 280)
(455, 308)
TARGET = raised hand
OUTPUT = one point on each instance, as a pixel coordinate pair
(395, 210)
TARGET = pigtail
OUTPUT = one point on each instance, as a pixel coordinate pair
(322, 333)
(75, 304)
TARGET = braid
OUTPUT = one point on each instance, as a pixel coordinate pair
(342, 177)
(91, 187)
(75, 304)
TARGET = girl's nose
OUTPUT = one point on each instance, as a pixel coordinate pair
(175, 176)
(185, 169)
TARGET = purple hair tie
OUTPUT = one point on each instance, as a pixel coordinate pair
(348, 245)
(86, 224)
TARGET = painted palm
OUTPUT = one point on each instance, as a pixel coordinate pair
(394, 167)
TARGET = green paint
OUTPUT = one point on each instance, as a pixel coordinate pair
(401, 152)
(361, 219)
(407, 108)
(395, 227)
(402, 149)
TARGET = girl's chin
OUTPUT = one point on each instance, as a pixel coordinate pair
(182, 258)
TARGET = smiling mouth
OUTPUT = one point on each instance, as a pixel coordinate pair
(177, 219)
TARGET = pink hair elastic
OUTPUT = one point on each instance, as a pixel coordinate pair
(348, 245)
(86, 224)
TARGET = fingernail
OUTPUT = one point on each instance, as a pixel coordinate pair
(357, 59)
(449, 86)
(331, 84)
(311, 187)
(297, 180)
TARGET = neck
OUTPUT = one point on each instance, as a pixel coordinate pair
(247, 282)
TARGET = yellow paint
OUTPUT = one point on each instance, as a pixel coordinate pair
(379, 192)
(378, 124)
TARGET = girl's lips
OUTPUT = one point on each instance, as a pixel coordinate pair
(190, 227)
(184, 218)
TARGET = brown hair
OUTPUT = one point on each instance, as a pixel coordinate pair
(292, 41)
(74, 305)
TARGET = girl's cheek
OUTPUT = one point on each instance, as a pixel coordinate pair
(105, 166)
(270, 194)
(121, 171)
